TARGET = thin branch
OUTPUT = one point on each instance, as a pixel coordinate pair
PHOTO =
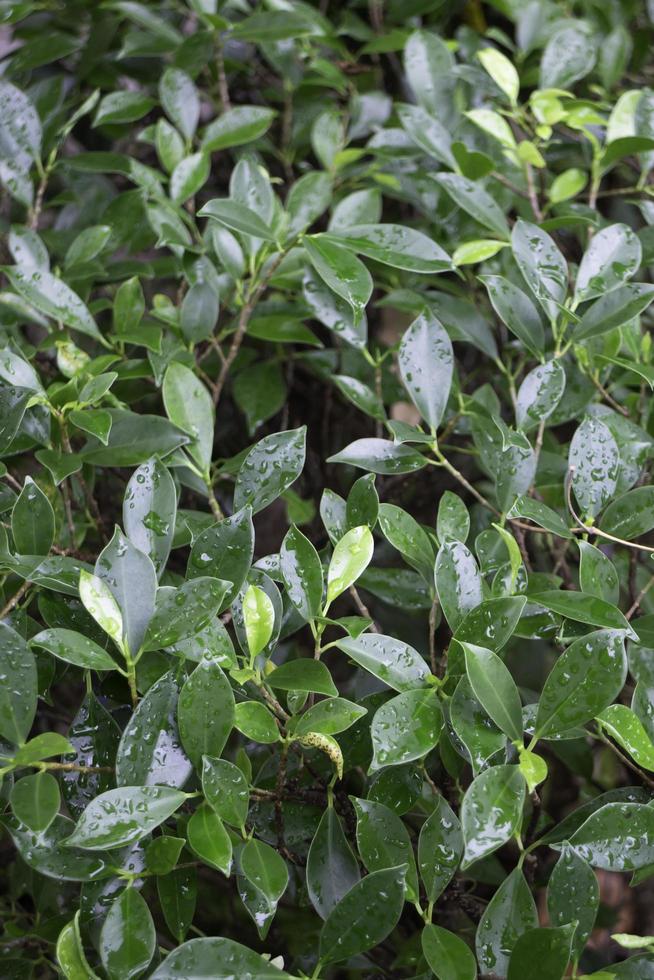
(15, 599)
(243, 320)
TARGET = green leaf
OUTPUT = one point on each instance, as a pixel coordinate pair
(205, 712)
(264, 870)
(627, 730)
(301, 572)
(548, 946)
(177, 892)
(123, 816)
(332, 869)
(473, 199)
(515, 308)
(132, 581)
(18, 692)
(270, 467)
(254, 721)
(226, 790)
(180, 100)
(428, 63)
(502, 71)
(617, 837)
(597, 574)
(162, 854)
(453, 520)
(188, 404)
(458, 582)
(573, 897)
(122, 107)
(540, 514)
(594, 460)
(598, 666)
(226, 547)
(495, 689)
(242, 124)
(395, 245)
(350, 558)
(426, 363)
(220, 959)
(380, 456)
(630, 515)
(42, 746)
(492, 623)
(150, 752)
(405, 728)
(303, 675)
(447, 955)
(383, 841)
(47, 852)
(35, 800)
(614, 310)
(332, 311)
(128, 938)
(74, 648)
(583, 609)
(440, 847)
(70, 953)
(259, 619)
(613, 257)
(567, 185)
(543, 267)
(491, 812)
(395, 663)
(209, 840)
(190, 174)
(362, 505)
(510, 912)
(329, 717)
(427, 132)
(133, 440)
(339, 269)
(358, 922)
(32, 521)
(184, 612)
(568, 56)
(237, 217)
(52, 297)
(539, 394)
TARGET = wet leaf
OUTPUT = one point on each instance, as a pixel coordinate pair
(491, 811)
(426, 363)
(332, 869)
(358, 922)
(405, 728)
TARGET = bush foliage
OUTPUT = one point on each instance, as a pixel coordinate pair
(326, 642)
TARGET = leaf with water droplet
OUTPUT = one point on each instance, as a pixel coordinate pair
(495, 689)
(123, 816)
(573, 897)
(383, 842)
(301, 572)
(150, 752)
(360, 921)
(448, 956)
(128, 937)
(270, 467)
(491, 812)
(405, 728)
(548, 946)
(149, 508)
(18, 686)
(332, 869)
(458, 582)
(225, 551)
(595, 461)
(510, 912)
(205, 712)
(584, 680)
(440, 847)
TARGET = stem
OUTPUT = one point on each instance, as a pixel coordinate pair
(213, 503)
(445, 463)
(533, 195)
(244, 318)
(131, 680)
(223, 87)
(15, 599)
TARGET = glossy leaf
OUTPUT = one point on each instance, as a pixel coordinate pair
(357, 922)
(491, 811)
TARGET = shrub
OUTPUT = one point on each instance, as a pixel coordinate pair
(327, 640)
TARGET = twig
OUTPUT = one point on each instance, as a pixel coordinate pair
(223, 87)
(636, 603)
(243, 320)
(15, 599)
(532, 193)
(363, 609)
